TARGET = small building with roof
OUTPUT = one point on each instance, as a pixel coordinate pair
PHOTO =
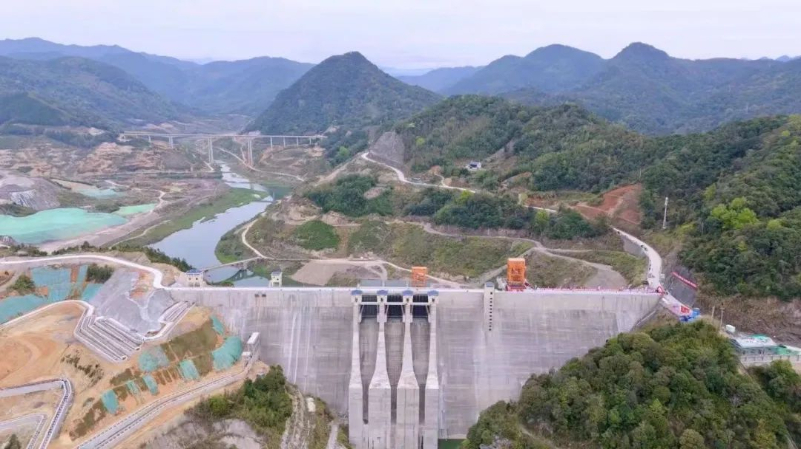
(758, 345)
(194, 278)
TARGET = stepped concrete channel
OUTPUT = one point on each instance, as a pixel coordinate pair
(409, 367)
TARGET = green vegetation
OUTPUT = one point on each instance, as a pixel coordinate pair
(500, 424)
(676, 386)
(642, 87)
(263, 403)
(733, 191)
(407, 245)
(204, 211)
(546, 271)
(479, 210)
(631, 267)
(152, 254)
(347, 196)
(194, 343)
(15, 210)
(76, 91)
(783, 384)
(71, 137)
(244, 86)
(316, 235)
(739, 199)
(554, 68)
(24, 108)
(99, 274)
(342, 437)
(230, 248)
(342, 144)
(345, 91)
(320, 421)
(23, 285)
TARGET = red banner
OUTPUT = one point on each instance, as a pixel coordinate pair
(685, 280)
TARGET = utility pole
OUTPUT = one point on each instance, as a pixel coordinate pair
(664, 217)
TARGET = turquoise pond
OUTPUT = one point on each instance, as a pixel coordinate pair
(56, 224)
(94, 192)
(64, 223)
(59, 287)
(133, 210)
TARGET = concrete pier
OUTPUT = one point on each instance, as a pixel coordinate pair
(407, 422)
(431, 397)
(356, 386)
(379, 394)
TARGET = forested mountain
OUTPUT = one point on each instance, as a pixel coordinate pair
(643, 87)
(555, 68)
(734, 190)
(439, 80)
(674, 387)
(78, 91)
(345, 91)
(649, 91)
(26, 109)
(246, 86)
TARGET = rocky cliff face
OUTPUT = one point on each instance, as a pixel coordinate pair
(34, 193)
(389, 148)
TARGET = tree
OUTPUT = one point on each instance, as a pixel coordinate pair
(690, 439)
(734, 216)
(13, 442)
(218, 406)
(23, 285)
(540, 222)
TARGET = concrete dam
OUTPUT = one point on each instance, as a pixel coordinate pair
(411, 366)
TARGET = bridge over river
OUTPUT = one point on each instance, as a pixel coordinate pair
(274, 140)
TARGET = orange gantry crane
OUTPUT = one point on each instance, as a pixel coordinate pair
(419, 277)
(516, 274)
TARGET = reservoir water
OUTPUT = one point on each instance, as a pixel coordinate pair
(196, 245)
(56, 224)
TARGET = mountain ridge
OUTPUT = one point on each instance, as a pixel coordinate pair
(247, 87)
(362, 94)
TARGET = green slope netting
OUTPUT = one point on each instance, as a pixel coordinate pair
(151, 384)
(217, 325)
(189, 370)
(90, 291)
(152, 359)
(57, 281)
(15, 306)
(110, 401)
(58, 285)
(229, 353)
(133, 388)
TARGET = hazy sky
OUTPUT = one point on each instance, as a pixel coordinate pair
(413, 33)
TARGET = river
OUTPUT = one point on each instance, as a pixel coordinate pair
(197, 244)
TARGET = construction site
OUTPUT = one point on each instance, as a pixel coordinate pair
(404, 363)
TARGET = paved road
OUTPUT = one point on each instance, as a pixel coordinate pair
(34, 419)
(59, 414)
(402, 177)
